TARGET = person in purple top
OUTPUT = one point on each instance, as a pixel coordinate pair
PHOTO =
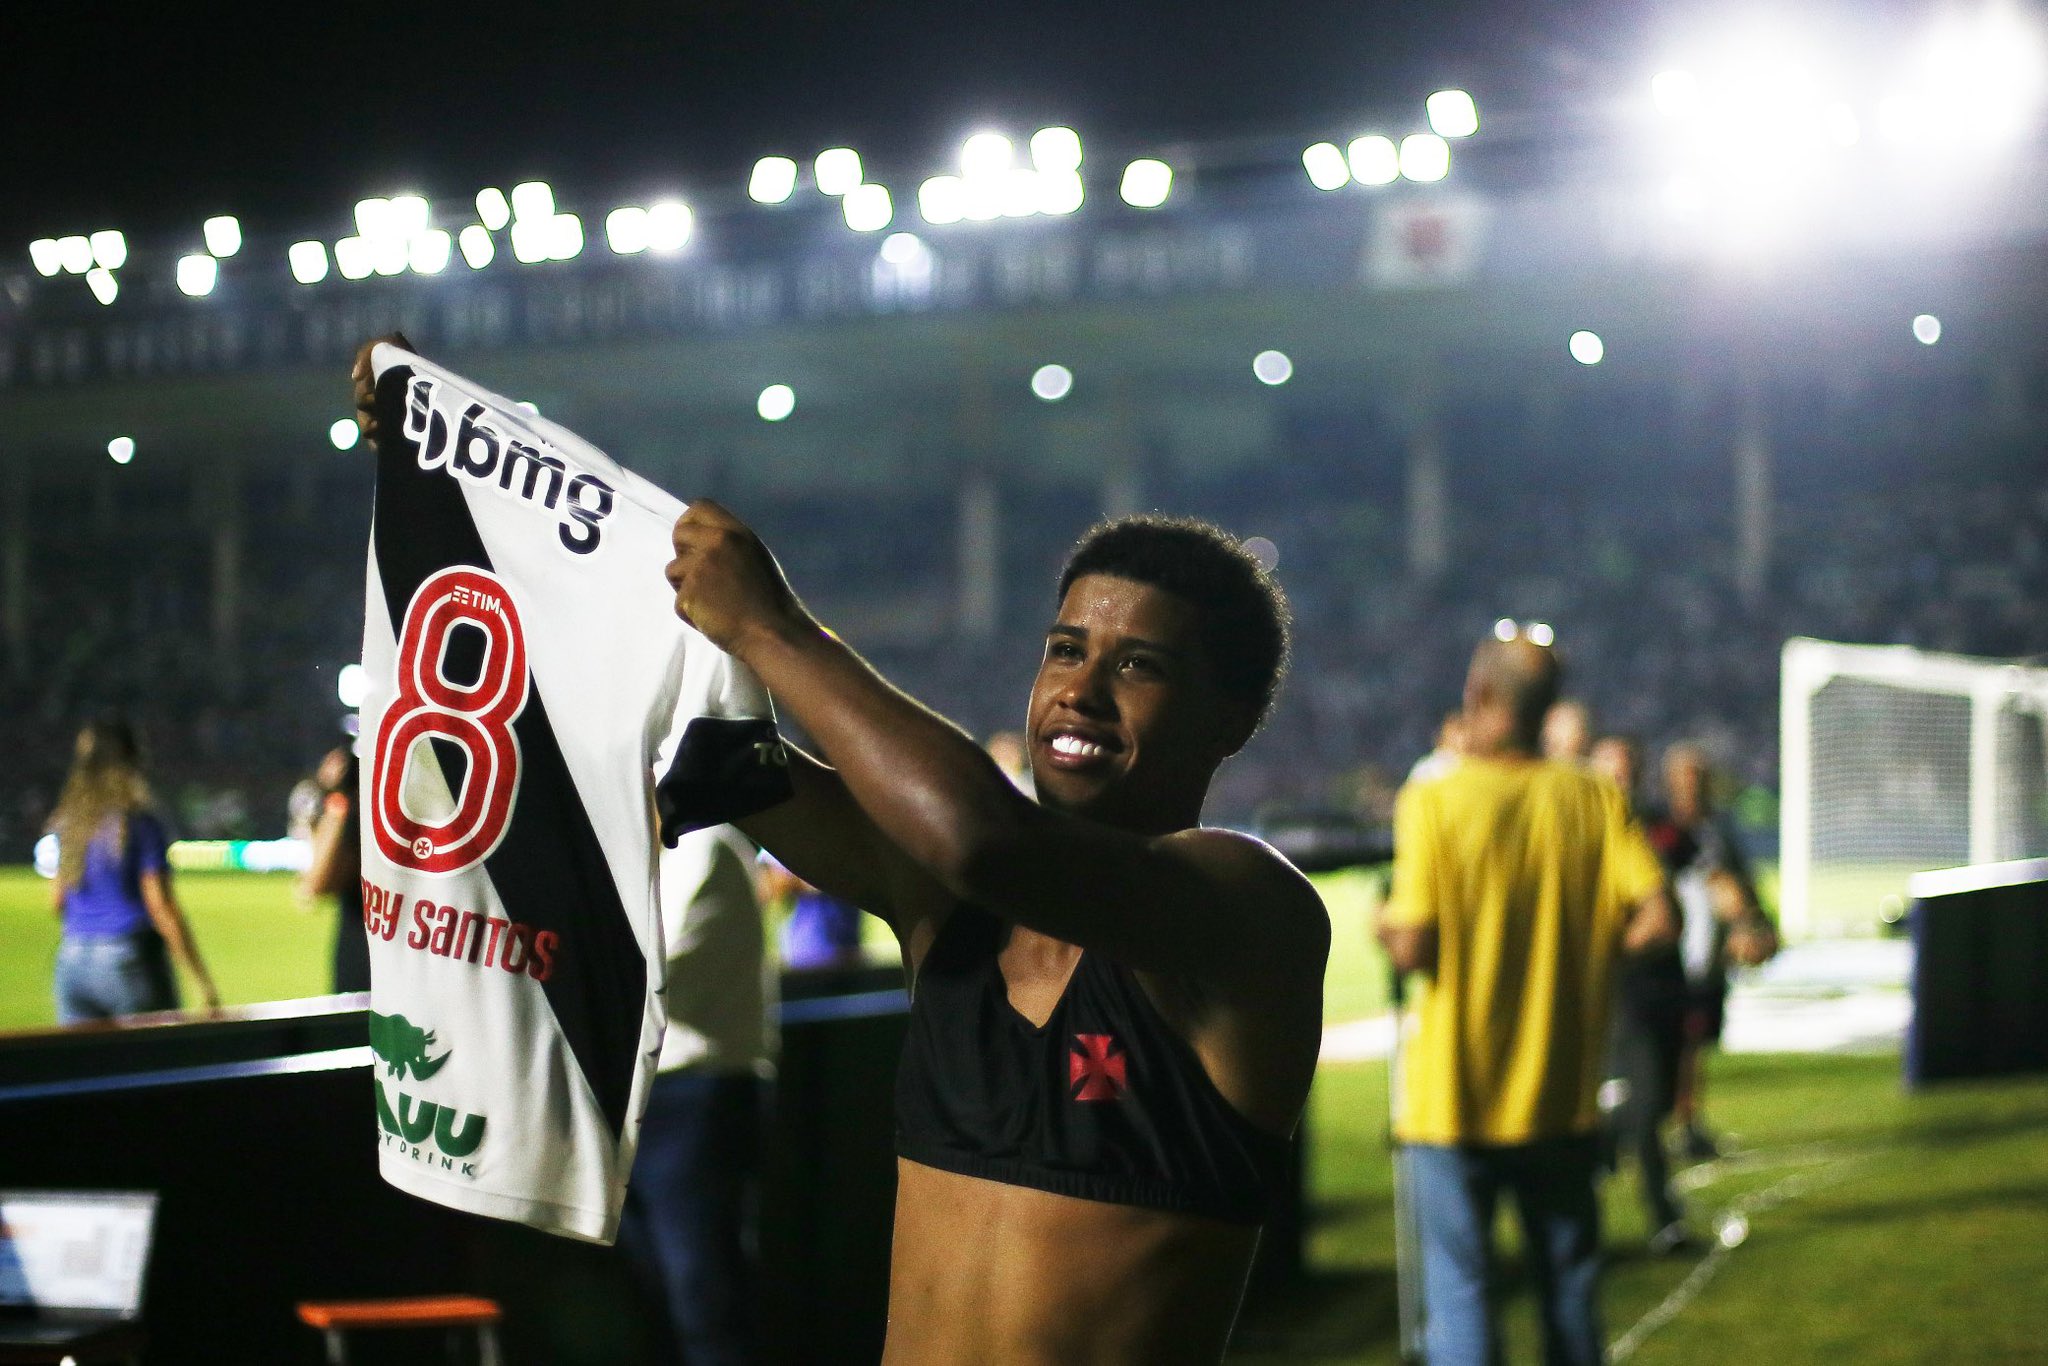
(122, 925)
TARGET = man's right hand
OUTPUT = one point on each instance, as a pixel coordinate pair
(366, 382)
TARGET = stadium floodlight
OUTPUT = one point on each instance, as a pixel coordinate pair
(1272, 367)
(308, 261)
(223, 234)
(981, 197)
(373, 218)
(1059, 192)
(534, 201)
(773, 180)
(669, 223)
(197, 275)
(1926, 329)
(1264, 550)
(1505, 629)
(1326, 167)
(351, 686)
(390, 255)
(492, 210)
(1539, 633)
(475, 241)
(986, 154)
(777, 402)
(109, 249)
(942, 199)
(1587, 348)
(1675, 93)
(1374, 160)
(867, 208)
(1425, 157)
(428, 253)
(122, 448)
(1052, 382)
(343, 433)
(1452, 114)
(354, 257)
(565, 237)
(410, 216)
(48, 260)
(1146, 183)
(1055, 150)
(530, 239)
(101, 281)
(625, 229)
(836, 170)
(1019, 192)
(74, 254)
(904, 249)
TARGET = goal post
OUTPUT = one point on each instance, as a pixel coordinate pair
(1894, 761)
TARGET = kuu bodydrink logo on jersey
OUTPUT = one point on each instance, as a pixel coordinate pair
(424, 1130)
(481, 452)
(475, 717)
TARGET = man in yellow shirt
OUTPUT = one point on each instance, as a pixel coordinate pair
(1518, 882)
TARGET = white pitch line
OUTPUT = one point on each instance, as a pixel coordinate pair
(1731, 1229)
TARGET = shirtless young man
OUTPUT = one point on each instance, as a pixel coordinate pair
(1116, 1012)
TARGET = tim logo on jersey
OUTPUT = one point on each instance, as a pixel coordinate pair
(437, 1135)
(480, 452)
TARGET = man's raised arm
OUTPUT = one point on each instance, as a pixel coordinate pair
(1174, 902)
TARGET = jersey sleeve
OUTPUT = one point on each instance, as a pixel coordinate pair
(148, 846)
(728, 761)
(1633, 870)
(1413, 901)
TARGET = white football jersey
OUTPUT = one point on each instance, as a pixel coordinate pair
(536, 716)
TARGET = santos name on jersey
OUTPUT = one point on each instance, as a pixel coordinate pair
(527, 682)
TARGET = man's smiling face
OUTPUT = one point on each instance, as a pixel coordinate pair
(1126, 723)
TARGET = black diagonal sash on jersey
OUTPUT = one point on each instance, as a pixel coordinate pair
(549, 870)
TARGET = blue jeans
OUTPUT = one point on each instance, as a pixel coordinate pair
(100, 976)
(683, 1229)
(1456, 1191)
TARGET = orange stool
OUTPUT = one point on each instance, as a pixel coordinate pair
(338, 1318)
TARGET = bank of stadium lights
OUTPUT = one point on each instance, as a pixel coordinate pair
(1376, 159)
(773, 180)
(992, 184)
(662, 228)
(1146, 184)
(475, 241)
(1587, 348)
(102, 284)
(1272, 367)
(1926, 329)
(539, 233)
(776, 402)
(1052, 382)
(121, 449)
(308, 261)
(343, 433)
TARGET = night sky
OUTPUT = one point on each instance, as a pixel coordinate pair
(151, 117)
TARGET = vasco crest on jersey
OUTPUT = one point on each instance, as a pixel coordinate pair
(531, 473)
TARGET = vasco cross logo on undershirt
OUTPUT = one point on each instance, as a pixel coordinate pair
(436, 1135)
(1097, 1067)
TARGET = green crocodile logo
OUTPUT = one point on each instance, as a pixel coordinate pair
(403, 1045)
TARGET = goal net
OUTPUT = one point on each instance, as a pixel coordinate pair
(1894, 761)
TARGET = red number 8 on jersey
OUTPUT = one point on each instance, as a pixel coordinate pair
(477, 717)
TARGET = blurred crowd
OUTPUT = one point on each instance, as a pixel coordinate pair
(1640, 588)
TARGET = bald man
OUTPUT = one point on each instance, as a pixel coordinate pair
(1519, 882)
